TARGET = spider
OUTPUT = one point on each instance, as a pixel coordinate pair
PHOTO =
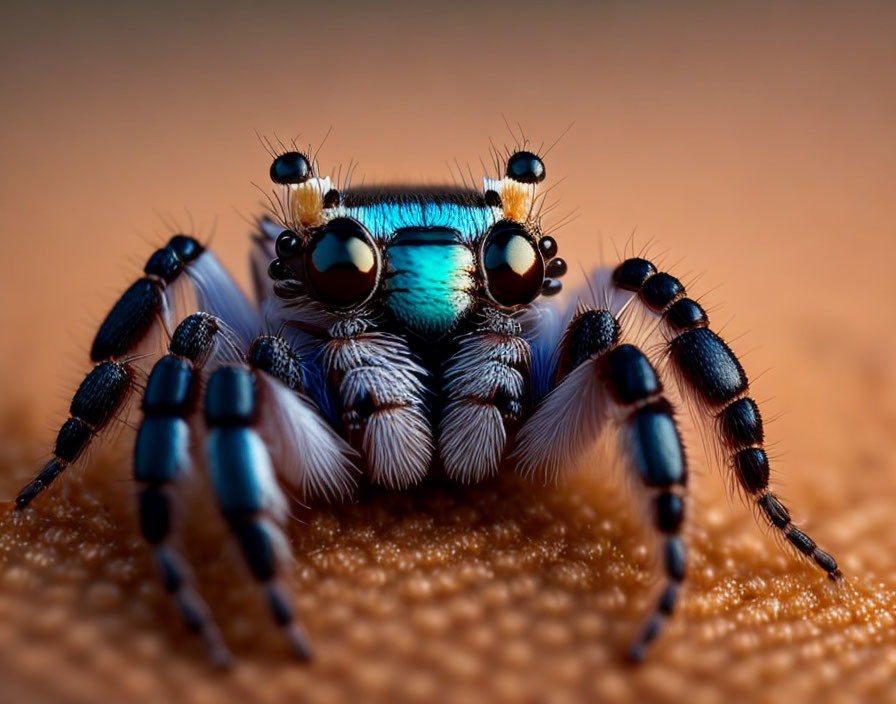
(398, 331)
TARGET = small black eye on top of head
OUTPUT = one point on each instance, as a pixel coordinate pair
(512, 264)
(291, 168)
(525, 167)
(340, 263)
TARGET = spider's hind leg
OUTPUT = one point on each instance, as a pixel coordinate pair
(716, 381)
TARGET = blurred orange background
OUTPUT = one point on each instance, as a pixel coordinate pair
(753, 144)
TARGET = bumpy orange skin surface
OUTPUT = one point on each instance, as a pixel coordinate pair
(501, 592)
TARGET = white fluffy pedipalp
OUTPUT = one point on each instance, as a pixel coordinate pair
(398, 445)
(305, 450)
(567, 424)
(472, 440)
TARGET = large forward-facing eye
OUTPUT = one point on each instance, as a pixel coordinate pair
(341, 264)
(512, 264)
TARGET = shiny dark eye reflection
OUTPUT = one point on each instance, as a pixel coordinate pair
(340, 264)
(291, 168)
(526, 167)
(514, 269)
(555, 268)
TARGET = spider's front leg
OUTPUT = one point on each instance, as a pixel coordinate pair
(246, 488)
(128, 325)
(598, 382)
(162, 458)
(261, 427)
(717, 383)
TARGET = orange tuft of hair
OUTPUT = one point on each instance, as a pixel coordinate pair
(306, 204)
(517, 200)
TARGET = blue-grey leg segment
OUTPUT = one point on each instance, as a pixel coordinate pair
(717, 382)
(162, 456)
(246, 488)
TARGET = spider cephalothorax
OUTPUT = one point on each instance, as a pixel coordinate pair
(427, 256)
(395, 331)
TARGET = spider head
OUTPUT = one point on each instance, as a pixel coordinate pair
(426, 256)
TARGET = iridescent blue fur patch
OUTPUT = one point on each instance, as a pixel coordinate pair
(428, 278)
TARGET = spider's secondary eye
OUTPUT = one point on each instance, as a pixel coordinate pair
(514, 270)
(292, 167)
(525, 167)
(341, 265)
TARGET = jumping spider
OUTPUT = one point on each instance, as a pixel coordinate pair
(395, 330)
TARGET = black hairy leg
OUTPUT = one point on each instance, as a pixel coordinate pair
(134, 313)
(273, 355)
(162, 457)
(94, 404)
(105, 389)
(715, 379)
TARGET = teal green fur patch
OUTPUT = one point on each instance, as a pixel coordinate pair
(429, 280)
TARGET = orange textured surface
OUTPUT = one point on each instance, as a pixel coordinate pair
(752, 143)
(504, 592)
